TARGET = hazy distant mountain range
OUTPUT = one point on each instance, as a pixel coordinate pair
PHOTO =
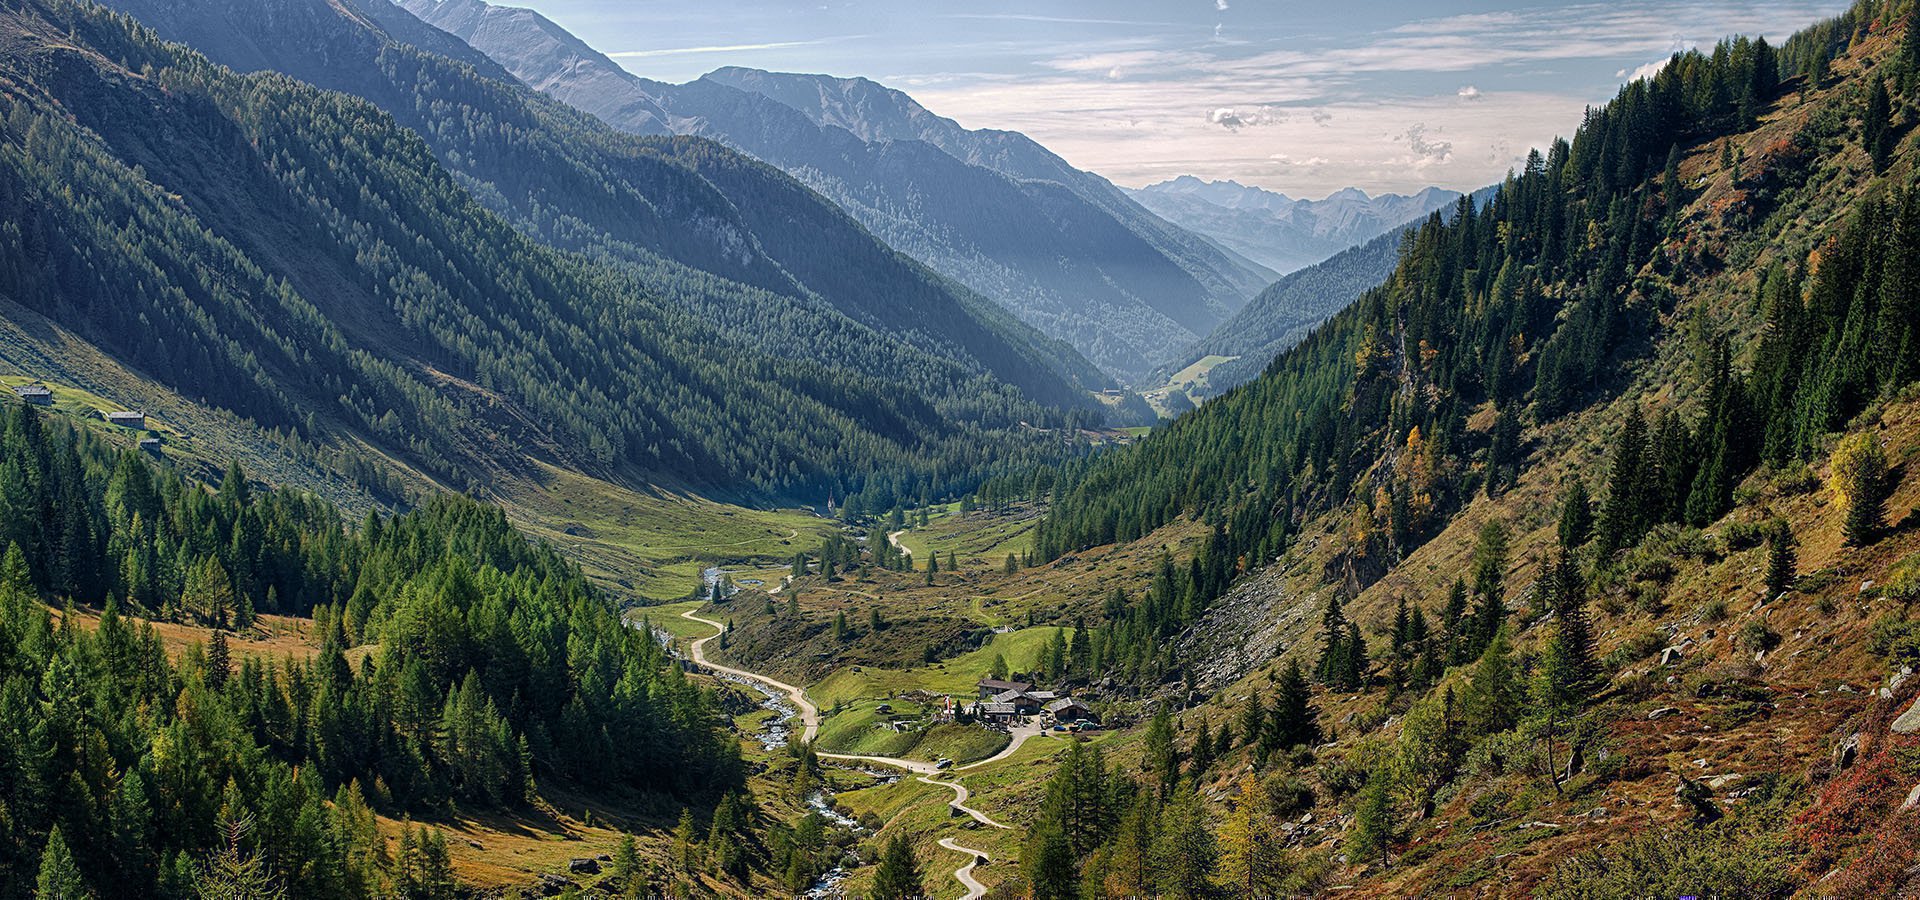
(1280, 232)
(1065, 250)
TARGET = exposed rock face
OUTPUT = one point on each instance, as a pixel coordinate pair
(1253, 623)
(1909, 721)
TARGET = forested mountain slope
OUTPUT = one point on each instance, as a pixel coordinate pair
(1063, 249)
(791, 269)
(1592, 527)
(496, 673)
(298, 257)
(1283, 314)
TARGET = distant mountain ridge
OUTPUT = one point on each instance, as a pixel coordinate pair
(369, 246)
(1283, 233)
(1289, 309)
(1065, 250)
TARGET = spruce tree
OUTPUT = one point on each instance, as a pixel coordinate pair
(1575, 628)
(1877, 126)
(1253, 720)
(1782, 562)
(1576, 515)
(1622, 512)
(1184, 851)
(1295, 722)
(1859, 474)
(219, 660)
(1491, 703)
(898, 877)
(1459, 625)
(60, 878)
(1353, 673)
(1333, 644)
(1201, 756)
(1373, 825)
(1047, 863)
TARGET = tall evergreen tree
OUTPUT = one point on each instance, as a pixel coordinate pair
(1859, 476)
(1576, 515)
(1047, 863)
(1184, 851)
(898, 877)
(60, 877)
(1877, 125)
(1782, 562)
(1622, 513)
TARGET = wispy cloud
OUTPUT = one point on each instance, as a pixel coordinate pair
(1060, 20)
(1287, 96)
(730, 48)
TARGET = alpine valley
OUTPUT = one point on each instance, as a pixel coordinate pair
(445, 461)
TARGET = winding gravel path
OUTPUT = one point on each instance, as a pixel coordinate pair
(924, 772)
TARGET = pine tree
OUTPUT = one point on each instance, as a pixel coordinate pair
(1491, 703)
(1334, 648)
(60, 878)
(1184, 851)
(1910, 40)
(1569, 598)
(233, 873)
(1859, 475)
(1253, 722)
(1877, 126)
(1162, 758)
(1373, 825)
(1622, 513)
(219, 660)
(1201, 756)
(898, 877)
(1251, 863)
(1576, 515)
(1080, 650)
(686, 853)
(1047, 863)
(1560, 689)
(626, 867)
(1782, 563)
(1295, 721)
(1460, 628)
(1353, 672)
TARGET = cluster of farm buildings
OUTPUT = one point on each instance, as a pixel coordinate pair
(1002, 702)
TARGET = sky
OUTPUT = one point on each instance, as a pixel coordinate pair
(1304, 98)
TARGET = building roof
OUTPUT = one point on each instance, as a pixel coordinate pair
(1009, 697)
(998, 686)
(126, 414)
(1042, 696)
(25, 389)
(1067, 703)
(991, 709)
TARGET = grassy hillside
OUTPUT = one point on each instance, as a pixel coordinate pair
(1732, 740)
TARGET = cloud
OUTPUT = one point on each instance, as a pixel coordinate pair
(729, 48)
(1427, 150)
(1284, 161)
(1309, 116)
(1235, 119)
(1056, 20)
(1220, 5)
